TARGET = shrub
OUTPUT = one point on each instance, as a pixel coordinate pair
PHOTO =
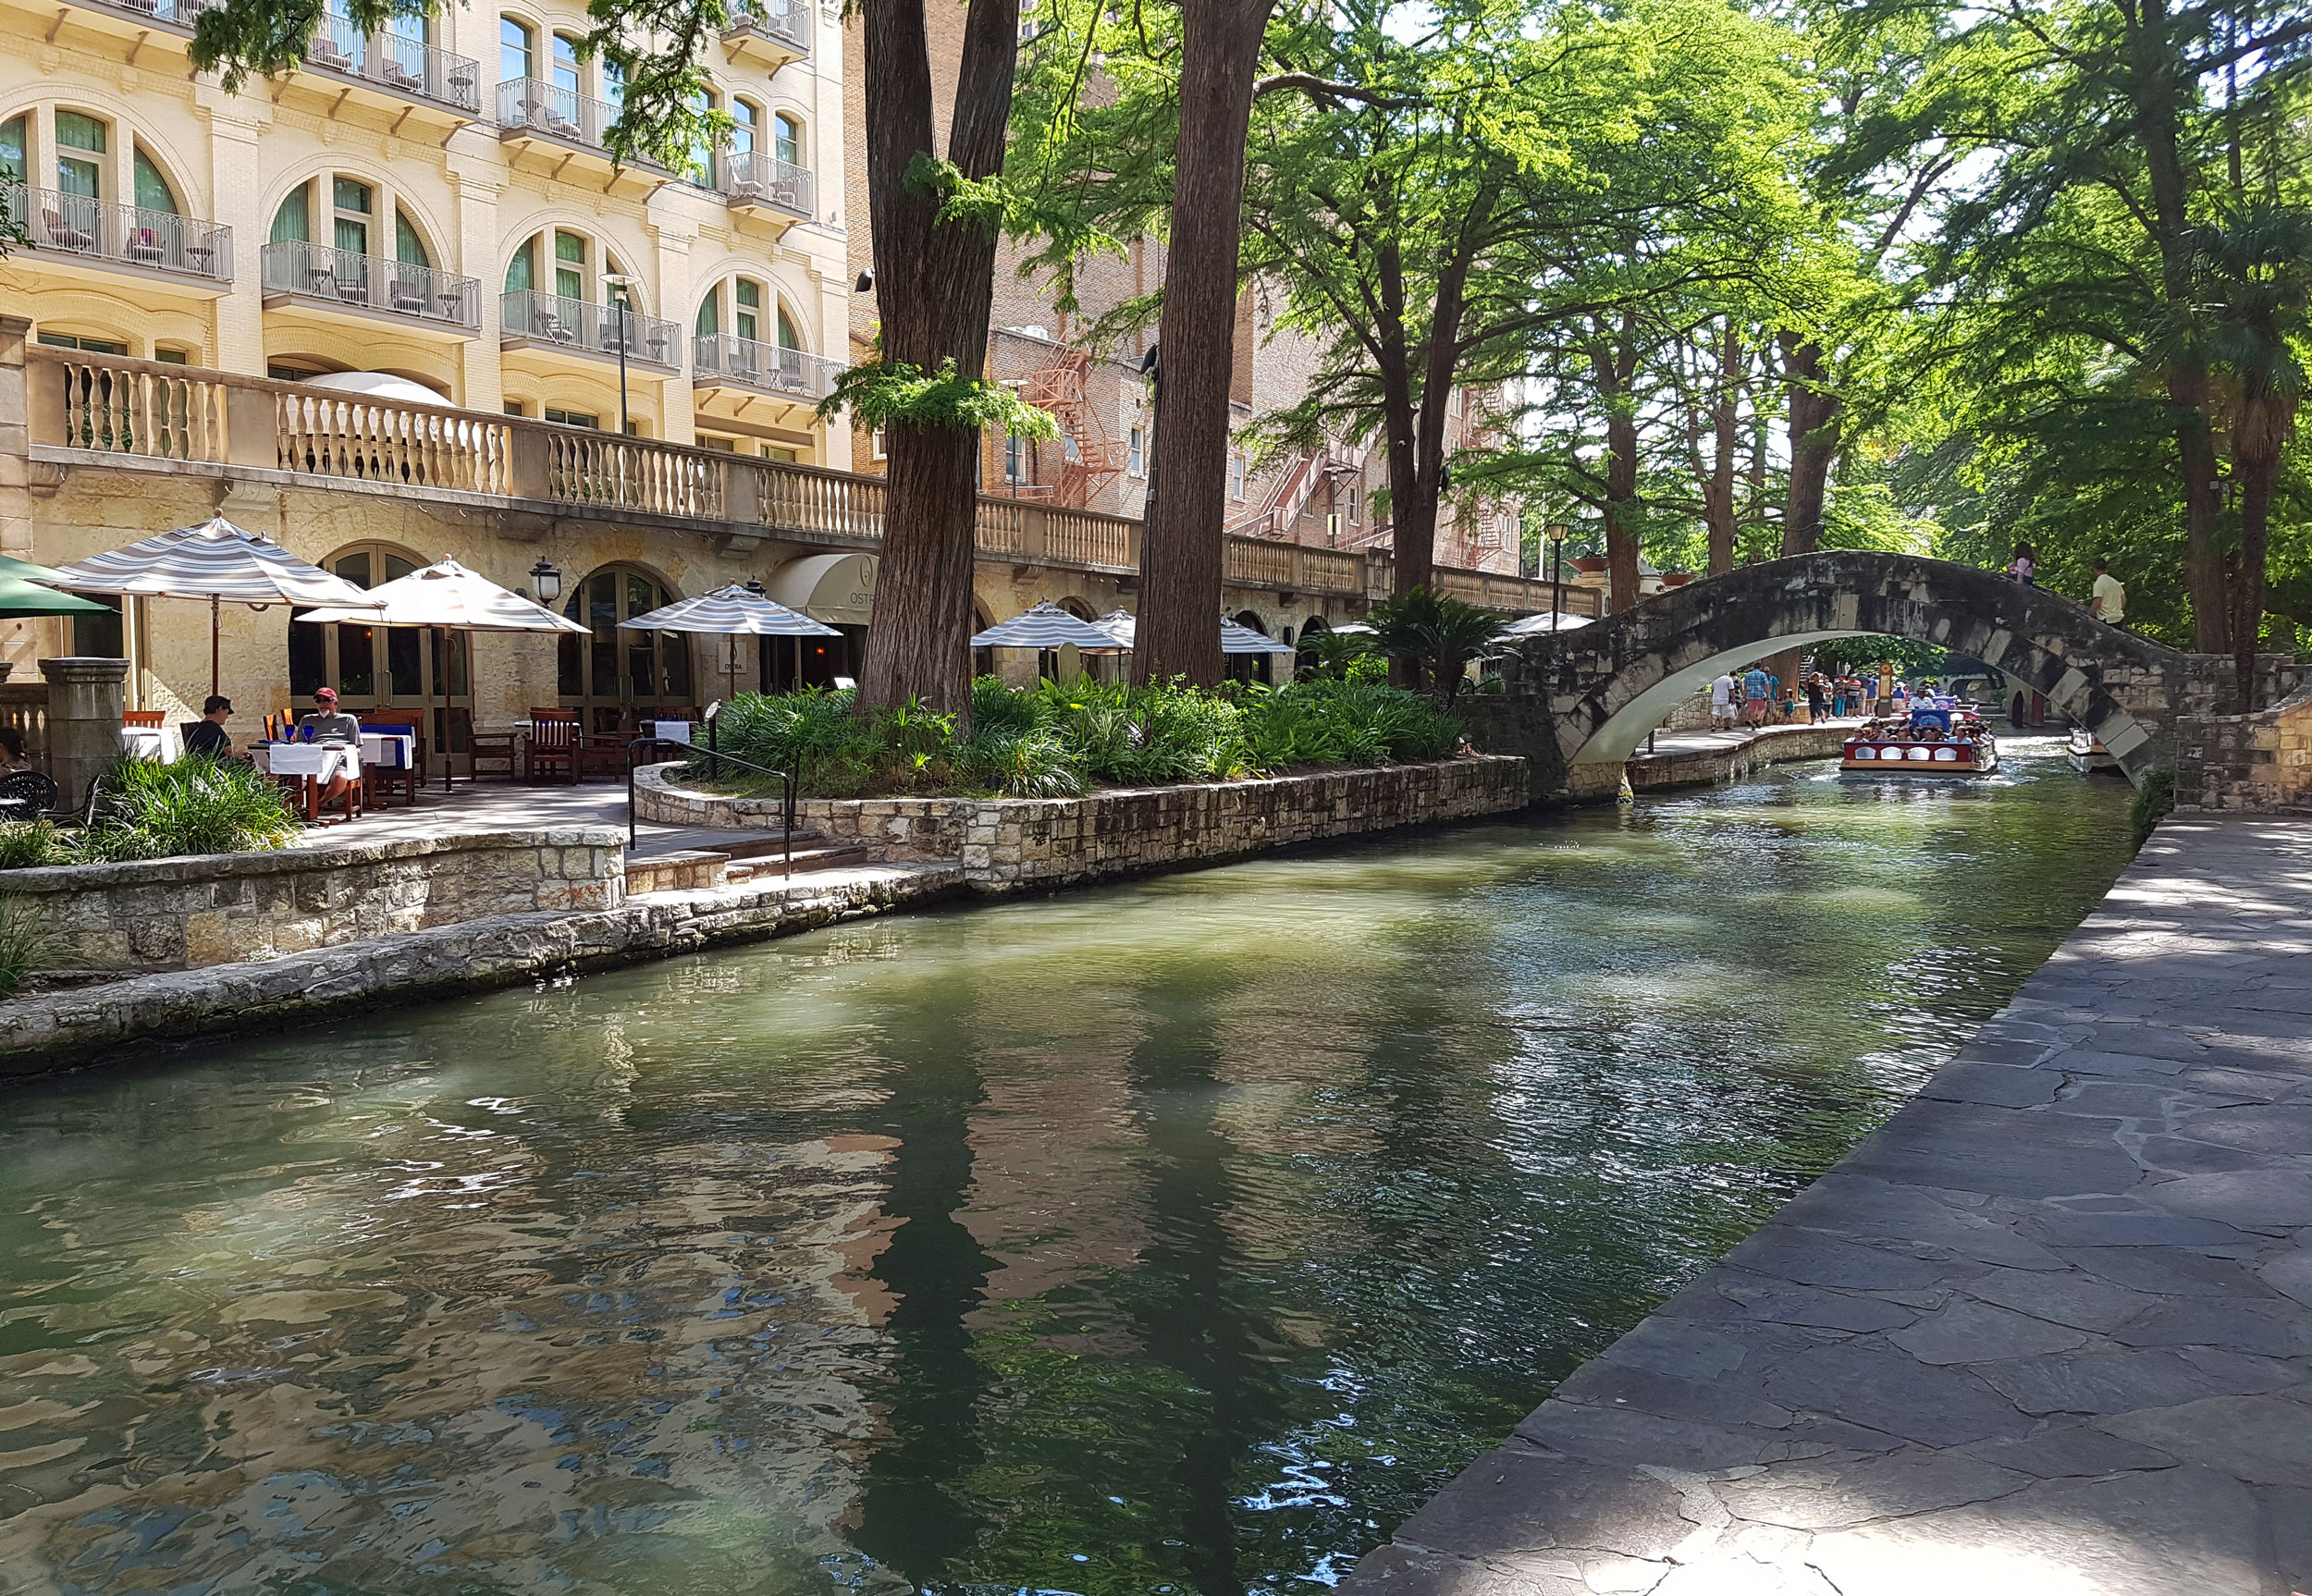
(27, 843)
(1440, 635)
(153, 810)
(2154, 799)
(26, 944)
(1032, 764)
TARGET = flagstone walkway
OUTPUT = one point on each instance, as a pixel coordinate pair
(2047, 1334)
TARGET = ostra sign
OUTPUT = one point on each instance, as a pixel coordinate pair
(836, 588)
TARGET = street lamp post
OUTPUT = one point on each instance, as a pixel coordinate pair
(621, 284)
(1557, 531)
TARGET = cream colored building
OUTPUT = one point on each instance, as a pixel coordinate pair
(366, 309)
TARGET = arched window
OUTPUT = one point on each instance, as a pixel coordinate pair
(709, 321)
(1251, 666)
(788, 337)
(786, 138)
(409, 244)
(522, 269)
(15, 148)
(516, 50)
(612, 674)
(293, 222)
(152, 191)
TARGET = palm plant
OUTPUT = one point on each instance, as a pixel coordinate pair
(2255, 271)
(1329, 653)
(1435, 635)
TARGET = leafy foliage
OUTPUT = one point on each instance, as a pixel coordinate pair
(25, 844)
(1058, 739)
(1439, 634)
(891, 393)
(154, 811)
(27, 943)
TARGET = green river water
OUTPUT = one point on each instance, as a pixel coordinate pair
(1177, 1237)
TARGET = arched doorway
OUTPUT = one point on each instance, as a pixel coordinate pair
(614, 676)
(378, 667)
(836, 590)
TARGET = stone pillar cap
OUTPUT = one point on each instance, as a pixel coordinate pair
(84, 668)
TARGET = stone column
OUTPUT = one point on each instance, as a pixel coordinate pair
(84, 705)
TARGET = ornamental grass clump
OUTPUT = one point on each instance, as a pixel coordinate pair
(152, 811)
(28, 844)
(26, 944)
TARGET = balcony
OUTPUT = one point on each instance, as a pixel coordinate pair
(123, 236)
(340, 280)
(138, 17)
(762, 186)
(727, 361)
(768, 34)
(403, 69)
(536, 321)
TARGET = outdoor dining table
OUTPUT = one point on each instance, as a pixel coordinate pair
(313, 765)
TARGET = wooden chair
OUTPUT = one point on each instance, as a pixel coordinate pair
(554, 743)
(608, 753)
(495, 748)
(376, 782)
(153, 720)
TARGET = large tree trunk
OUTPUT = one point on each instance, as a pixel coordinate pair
(1614, 367)
(1180, 551)
(934, 282)
(1416, 534)
(2203, 509)
(1814, 444)
(1717, 492)
(2257, 477)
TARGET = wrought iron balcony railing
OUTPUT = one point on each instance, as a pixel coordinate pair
(789, 21)
(530, 106)
(586, 327)
(727, 359)
(318, 274)
(754, 177)
(124, 235)
(406, 65)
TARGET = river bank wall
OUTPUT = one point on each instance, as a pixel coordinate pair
(2048, 1329)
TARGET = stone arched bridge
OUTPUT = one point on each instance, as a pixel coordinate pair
(1580, 704)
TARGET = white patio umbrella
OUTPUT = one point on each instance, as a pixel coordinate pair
(1236, 638)
(448, 596)
(1540, 625)
(736, 611)
(215, 561)
(1047, 626)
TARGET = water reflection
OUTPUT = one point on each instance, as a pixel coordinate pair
(1176, 1238)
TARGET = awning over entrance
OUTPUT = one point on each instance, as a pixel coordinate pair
(835, 588)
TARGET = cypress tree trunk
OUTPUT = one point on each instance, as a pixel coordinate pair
(934, 282)
(1717, 493)
(1181, 548)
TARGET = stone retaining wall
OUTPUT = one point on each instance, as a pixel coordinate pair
(2247, 762)
(59, 1030)
(224, 908)
(1008, 843)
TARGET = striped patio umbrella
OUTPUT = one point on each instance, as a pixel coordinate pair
(1543, 624)
(449, 597)
(1236, 638)
(737, 611)
(1047, 626)
(215, 561)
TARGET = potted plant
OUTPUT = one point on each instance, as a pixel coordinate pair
(1589, 564)
(1677, 578)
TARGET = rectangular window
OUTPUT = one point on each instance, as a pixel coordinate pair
(79, 174)
(786, 140)
(89, 346)
(1136, 461)
(565, 65)
(75, 131)
(514, 50)
(875, 445)
(513, 407)
(720, 445)
(575, 418)
(350, 201)
(288, 374)
(1013, 460)
(172, 357)
(1235, 476)
(784, 456)
(570, 266)
(1352, 503)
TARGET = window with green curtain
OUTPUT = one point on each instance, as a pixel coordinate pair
(293, 222)
(521, 271)
(153, 189)
(787, 140)
(351, 202)
(407, 247)
(788, 339)
(709, 315)
(14, 162)
(750, 297)
(570, 266)
(76, 173)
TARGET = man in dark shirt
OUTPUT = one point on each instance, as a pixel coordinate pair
(208, 738)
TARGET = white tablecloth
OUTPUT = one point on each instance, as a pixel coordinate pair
(672, 731)
(150, 742)
(386, 751)
(325, 760)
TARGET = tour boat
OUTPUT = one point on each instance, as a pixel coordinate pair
(2088, 754)
(1935, 739)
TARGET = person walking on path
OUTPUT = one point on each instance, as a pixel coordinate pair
(1813, 697)
(2109, 603)
(1722, 702)
(1755, 687)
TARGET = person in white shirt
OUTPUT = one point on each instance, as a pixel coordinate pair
(2109, 603)
(1722, 710)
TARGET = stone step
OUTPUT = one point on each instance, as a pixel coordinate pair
(765, 868)
(657, 844)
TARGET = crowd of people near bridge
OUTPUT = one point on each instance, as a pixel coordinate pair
(1757, 697)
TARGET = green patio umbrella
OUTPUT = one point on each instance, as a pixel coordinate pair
(21, 596)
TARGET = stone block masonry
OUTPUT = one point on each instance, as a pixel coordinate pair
(227, 908)
(2260, 762)
(1009, 845)
(2048, 1329)
(130, 1017)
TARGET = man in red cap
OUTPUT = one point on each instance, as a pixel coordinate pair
(328, 724)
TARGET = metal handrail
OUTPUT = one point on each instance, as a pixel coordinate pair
(714, 758)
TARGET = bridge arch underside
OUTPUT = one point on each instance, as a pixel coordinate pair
(1634, 699)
